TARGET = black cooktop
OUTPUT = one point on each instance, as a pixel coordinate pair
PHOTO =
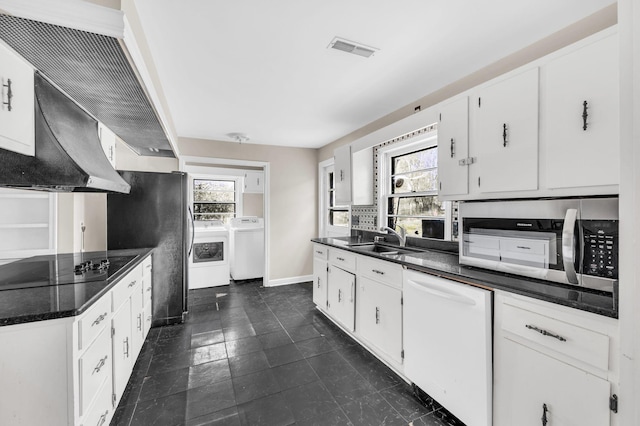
(60, 269)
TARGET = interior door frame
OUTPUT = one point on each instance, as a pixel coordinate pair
(186, 161)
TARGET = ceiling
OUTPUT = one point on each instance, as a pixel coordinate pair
(263, 68)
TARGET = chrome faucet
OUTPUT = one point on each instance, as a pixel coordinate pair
(402, 236)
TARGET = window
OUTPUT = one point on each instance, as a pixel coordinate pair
(409, 194)
(214, 199)
(333, 220)
(338, 215)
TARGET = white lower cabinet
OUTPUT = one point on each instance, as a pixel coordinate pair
(341, 296)
(551, 365)
(320, 275)
(72, 371)
(121, 335)
(380, 317)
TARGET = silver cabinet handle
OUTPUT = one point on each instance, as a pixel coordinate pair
(140, 322)
(103, 418)
(339, 295)
(132, 283)
(100, 365)
(148, 289)
(341, 259)
(353, 285)
(318, 251)
(318, 282)
(149, 318)
(126, 347)
(9, 95)
(377, 315)
(99, 319)
(568, 249)
(545, 332)
(148, 266)
(377, 272)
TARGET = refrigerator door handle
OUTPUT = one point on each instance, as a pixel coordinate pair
(193, 230)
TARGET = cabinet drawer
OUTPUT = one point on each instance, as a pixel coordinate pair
(146, 296)
(125, 287)
(93, 321)
(569, 339)
(379, 270)
(100, 413)
(320, 252)
(147, 266)
(343, 259)
(94, 369)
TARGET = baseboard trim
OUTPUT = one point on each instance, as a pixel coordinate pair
(290, 280)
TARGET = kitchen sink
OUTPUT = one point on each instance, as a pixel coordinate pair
(381, 249)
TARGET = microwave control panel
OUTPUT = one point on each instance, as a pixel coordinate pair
(600, 248)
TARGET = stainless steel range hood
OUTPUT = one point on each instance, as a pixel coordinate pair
(94, 70)
(68, 153)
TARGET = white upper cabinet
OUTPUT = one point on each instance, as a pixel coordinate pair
(505, 140)
(362, 175)
(580, 116)
(17, 130)
(254, 182)
(108, 142)
(453, 148)
(342, 177)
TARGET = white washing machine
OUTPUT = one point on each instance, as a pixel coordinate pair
(246, 242)
(209, 260)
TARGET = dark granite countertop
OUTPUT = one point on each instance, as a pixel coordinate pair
(446, 265)
(50, 301)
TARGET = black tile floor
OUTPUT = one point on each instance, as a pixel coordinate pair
(248, 355)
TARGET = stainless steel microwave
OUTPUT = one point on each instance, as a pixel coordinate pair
(571, 241)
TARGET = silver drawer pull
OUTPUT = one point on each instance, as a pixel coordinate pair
(103, 418)
(148, 288)
(100, 365)
(148, 266)
(545, 332)
(99, 319)
(377, 315)
(319, 252)
(140, 322)
(523, 247)
(126, 347)
(132, 283)
(377, 272)
(340, 259)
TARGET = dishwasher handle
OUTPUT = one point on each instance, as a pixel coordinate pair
(441, 293)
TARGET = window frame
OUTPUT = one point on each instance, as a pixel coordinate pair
(237, 180)
(385, 192)
(325, 227)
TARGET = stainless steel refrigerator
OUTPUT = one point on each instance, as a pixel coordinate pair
(156, 214)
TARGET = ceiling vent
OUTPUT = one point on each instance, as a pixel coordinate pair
(352, 47)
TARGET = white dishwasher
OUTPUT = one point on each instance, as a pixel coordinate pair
(448, 344)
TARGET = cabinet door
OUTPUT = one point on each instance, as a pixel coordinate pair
(137, 321)
(362, 172)
(527, 381)
(17, 128)
(506, 135)
(380, 316)
(121, 341)
(453, 147)
(342, 166)
(341, 297)
(108, 142)
(320, 283)
(254, 182)
(582, 151)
